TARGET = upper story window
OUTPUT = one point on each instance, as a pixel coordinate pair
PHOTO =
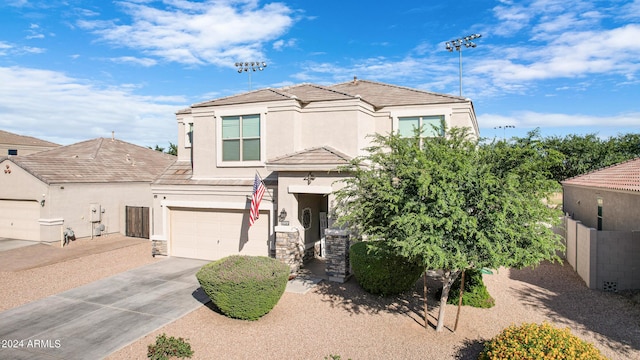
(241, 138)
(12, 152)
(408, 125)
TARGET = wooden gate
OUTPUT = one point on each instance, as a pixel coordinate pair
(137, 219)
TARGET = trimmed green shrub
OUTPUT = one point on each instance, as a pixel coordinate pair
(475, 292)
(169, 347)
(538, 341)
(244, 287)
(379, 271)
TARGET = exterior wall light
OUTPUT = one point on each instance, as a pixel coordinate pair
(283, 215)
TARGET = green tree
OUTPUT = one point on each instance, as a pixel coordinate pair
(172, 150)
(585, 153)
(454, 204)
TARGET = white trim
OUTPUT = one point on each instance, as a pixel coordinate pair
(50, 222)
(302, 189)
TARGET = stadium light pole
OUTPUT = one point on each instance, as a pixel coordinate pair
(250, 67)
(458, 44)
(504, 130)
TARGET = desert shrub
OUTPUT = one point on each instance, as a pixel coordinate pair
(475, 292)
(538, 341)
(244, 287)
(379, 271)
(169, 347)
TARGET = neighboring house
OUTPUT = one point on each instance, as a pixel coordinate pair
(85, 186)
(294, 138)
(603, 226)
(14, 144)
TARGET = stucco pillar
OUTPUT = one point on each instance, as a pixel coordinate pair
(337, 255)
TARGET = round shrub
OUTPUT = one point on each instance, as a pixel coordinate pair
(475, 292)
(379, 271)
(244, 287)
(538, 341)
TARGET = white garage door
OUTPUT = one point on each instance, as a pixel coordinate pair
(19, 219)
(213, 234)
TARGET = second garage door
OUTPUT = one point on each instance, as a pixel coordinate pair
(19, 219)
(213, 234)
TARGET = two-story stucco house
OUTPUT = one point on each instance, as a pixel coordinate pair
(294, 138)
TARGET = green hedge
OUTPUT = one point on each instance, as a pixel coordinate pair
(244, 287)
(475, 292)
(379, 271)
(535, 341)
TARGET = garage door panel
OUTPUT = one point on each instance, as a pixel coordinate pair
(19, 219)
(214, 234)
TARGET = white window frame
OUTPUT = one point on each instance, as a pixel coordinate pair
(445, 112)
(422, 125)
(241, 112)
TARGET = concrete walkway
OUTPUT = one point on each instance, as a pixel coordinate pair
(92, 321)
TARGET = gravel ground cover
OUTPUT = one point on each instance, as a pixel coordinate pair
(342, 319)
(85, 263)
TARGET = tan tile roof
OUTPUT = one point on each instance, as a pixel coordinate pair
(15, 139)
(382, 95)
(179, 173)
(99, 160)
(376, 93)
(623, 176)
(323, 155)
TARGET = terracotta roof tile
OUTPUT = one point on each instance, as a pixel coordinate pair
(623, 176)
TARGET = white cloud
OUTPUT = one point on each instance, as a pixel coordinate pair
(65, 110)
(146, 62)
(573, 55)
(532, 119)
(194, 33)
(281, 44)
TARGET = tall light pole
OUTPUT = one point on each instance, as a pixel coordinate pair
(458, 44)
(250, 67)
(504, 130)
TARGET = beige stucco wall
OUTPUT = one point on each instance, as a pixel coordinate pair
(286, 127)
(620, 209)
(72, 202)
(17, 184)
(67, 205)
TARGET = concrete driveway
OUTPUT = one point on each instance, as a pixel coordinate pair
(92, 321)
(10, 244)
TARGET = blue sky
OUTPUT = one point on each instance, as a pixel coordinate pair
(72, 70)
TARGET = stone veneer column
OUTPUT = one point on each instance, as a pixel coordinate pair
(288, 247)
(158, 247)
(337, 255)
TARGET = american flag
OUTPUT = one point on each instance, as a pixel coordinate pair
(258, 192)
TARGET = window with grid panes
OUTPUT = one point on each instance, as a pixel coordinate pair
(408, 125)
(241, 138)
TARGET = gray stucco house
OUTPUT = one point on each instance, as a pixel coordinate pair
(294, 138)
